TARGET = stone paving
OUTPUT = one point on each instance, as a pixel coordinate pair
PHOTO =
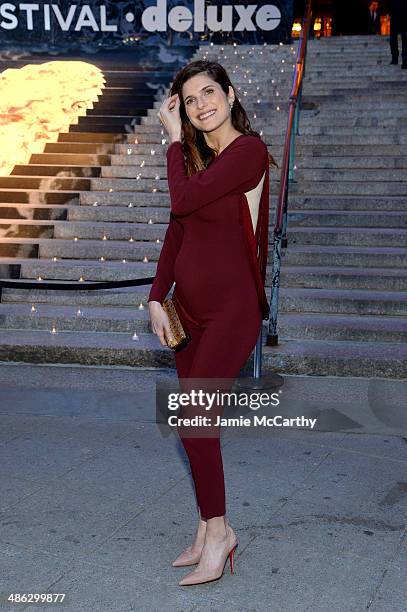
(96, 502)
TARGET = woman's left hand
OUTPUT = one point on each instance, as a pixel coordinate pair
(169, 116)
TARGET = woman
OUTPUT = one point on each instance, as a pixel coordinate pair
(215, 250)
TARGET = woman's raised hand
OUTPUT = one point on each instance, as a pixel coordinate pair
(159, 322)
(169, 116)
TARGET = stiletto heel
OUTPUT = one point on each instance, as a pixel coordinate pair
(197, 577)
(231, 559)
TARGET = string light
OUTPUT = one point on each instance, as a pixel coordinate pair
(104, 237)
(145, 259)
(131, 239)
(33, 308)
(53, 330)
(54, 258)
(81, 279)
(141, 306)
(135, 336)
(102, 258)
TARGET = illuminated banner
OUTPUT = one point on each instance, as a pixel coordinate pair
(119, 20)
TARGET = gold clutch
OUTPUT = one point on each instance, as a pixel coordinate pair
(180, 336)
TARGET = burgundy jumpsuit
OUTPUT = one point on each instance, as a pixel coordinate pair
(218, 265)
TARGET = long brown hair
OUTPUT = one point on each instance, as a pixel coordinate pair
(197, 153)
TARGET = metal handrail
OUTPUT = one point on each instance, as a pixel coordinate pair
(287, 174)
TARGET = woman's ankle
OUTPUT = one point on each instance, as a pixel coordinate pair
(217, 527)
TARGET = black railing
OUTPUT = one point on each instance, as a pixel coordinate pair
(287, 175)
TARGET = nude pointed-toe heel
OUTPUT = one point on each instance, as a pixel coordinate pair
(186, 558)
(194, 577)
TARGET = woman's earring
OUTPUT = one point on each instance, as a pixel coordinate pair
(231, 104)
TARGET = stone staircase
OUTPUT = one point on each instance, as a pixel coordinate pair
(95, 206)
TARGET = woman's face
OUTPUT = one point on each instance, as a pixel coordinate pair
(206, 104)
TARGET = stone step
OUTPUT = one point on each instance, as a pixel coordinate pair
(348, 218)
(92, 348)
(353, 74)
(134, 249)
(383, 359)
(121, 297)
(335, 104)
(33, 196)
(318, 119)
(364, 328)
(371, 175)
(91, 137)
(68, 318)
(336, 163)
(324, 115)
(322, 202)
(142, 151)
(116, 242)
(60, 159)
(47, 247)
(310, 256)
(124, 198)
(142, 231)
(343, 301)
(308, 174)
(326, 301)
(335, 187)
(88, 270)
(142, 99)
(387, 99)
(106, 127)
(302, 161)
(123, 109)
(338, 358)
(311, 188)
(81, 148)
(18, 213)
(103, 118)
(345, 87)
(336, 277)
(45, 183)
(336, 218)
(273, 139)
(81, 219)
(367, 257)
(58, 171)
(43, 316)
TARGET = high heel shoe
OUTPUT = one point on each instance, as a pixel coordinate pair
(186, 558)
(196, 577)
